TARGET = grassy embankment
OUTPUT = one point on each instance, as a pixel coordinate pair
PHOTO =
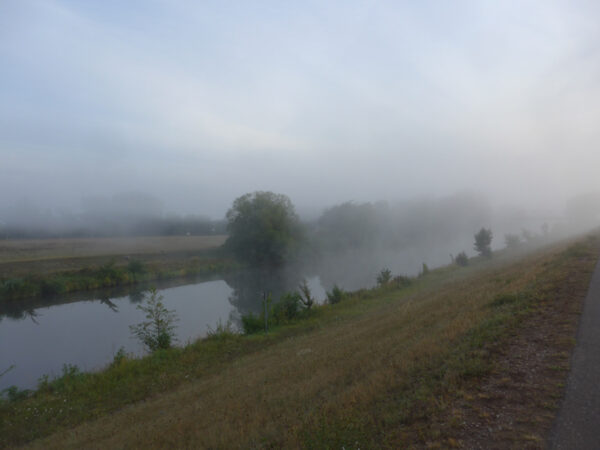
(33, 268)
(382, 368)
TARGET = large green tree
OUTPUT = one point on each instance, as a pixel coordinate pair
(263, 228)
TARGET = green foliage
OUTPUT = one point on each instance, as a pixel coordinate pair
(14, 394)
(119, 357)
(158, 331)
(221, 331)
(70, 378)
(306, 295)
(17, 287)
(252, 323)
(107, 275)
(384, 277)
(263, 229)
(336, 295)
(110, 275)
(136, 268)
(424, 269)
(462, 259)
(287, 308)
(483, 241)
(52, 287)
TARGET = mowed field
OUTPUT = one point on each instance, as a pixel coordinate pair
(42, 256)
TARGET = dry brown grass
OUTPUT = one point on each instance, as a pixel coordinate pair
(360, 381)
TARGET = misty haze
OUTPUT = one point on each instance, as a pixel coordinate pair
(385, 212)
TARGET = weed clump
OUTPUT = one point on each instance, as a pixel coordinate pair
(336, 295)
(290, 307)
(252, 323)
(462, 259)
(287, 308)
(384, 277)
(221, 331)
(158, 331)
(306, 295)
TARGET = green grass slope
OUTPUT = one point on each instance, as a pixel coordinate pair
(383, 368)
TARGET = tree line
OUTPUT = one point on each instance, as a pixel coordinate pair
(265, 230)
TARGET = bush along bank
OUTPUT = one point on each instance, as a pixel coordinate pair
(104, 276)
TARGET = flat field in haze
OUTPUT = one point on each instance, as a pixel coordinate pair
(42, 256)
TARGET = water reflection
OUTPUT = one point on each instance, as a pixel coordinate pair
(88, 329)
(250, 286)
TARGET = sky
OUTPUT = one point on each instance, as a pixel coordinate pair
(197, 103)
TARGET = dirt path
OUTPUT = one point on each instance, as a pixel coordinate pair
(577, 424)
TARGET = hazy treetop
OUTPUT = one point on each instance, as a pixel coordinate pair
(197, 103)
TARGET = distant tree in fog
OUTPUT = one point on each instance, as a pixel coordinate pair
(483, 241)
(462, 259)
(512, 241)
(349, 226)
(264, 229)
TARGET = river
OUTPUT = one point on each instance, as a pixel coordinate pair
(39, 336)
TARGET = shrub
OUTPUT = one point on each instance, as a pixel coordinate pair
(483, 241)
(13, 286)
(158, 331)
(306, 296)
(109, 275)
(221, 331)
(336, 295)
(135, 268)
(424, 270)
(49, 288)
(384, 277)
(119, 357)
(287, 308)
(13, 393)
(462, 259)
(252, 323)
(71, 377)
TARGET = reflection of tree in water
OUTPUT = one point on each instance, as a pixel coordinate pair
(106, 301)
(137, 296)
(22, 314)
(350, 270)
(19, 310)
(249, 285)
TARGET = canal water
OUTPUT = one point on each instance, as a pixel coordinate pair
(39, 336)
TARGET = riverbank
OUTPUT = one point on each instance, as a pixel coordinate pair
(44, 268)
(390, 367)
